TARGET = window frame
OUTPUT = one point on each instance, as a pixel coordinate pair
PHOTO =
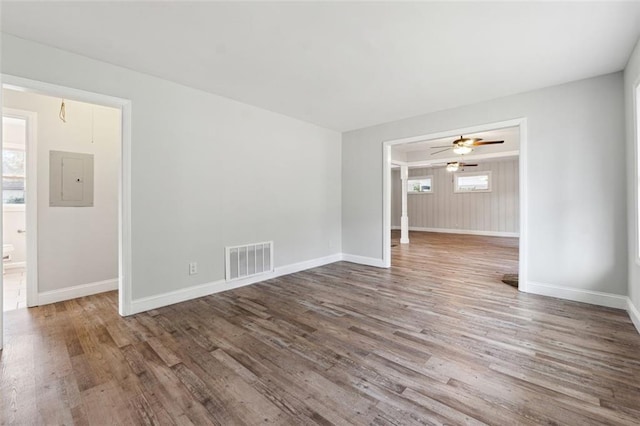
(457, 190)
(410, 178)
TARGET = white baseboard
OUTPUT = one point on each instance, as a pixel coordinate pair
(307, 264)
(76, 291)
(634, 314)
(609, 300)
(462, 231)
(362, 260)
(182, 295)
(14, 265)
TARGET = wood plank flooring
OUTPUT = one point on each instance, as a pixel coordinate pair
(436, 339)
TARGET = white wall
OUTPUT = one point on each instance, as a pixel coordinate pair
(631, 78)
(207, 171)
(576, 152)
(76, 245)
(495, 211)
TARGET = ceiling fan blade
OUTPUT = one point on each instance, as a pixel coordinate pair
(486, 143)
(438, 152)
(447, 146)
(467, 165)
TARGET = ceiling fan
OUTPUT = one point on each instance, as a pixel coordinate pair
(454, 166)
(464, 145)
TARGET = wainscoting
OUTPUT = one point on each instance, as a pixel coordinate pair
(496, 211)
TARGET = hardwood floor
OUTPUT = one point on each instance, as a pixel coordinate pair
(437, 339)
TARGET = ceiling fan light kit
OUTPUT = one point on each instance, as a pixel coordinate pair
(454, 166)
(462, 145)
(462, 149)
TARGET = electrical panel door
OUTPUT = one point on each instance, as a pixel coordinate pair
(71, 179)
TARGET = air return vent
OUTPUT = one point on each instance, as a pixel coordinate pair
(248, 260)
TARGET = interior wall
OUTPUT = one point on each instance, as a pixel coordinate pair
(207, 172)
(631, 78)
(76, 245)
(495, 211)
(576, 184)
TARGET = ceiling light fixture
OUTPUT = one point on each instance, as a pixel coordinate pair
(462, 149)
(462, 145)
(453, 167)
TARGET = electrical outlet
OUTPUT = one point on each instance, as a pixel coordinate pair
(193, 268)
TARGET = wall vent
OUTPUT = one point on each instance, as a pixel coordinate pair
(248, 260)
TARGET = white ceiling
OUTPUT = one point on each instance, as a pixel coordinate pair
(343, 65)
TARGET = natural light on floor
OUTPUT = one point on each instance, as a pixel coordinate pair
(15, 289)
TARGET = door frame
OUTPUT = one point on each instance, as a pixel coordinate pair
(31, 202)
(124, 185)
(521, 123)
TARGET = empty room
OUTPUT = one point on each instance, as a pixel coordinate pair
(455, 209)
(367, 213)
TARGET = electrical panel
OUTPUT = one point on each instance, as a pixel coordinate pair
(70, 179)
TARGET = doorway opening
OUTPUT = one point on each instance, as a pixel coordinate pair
(68, 181)
(77, 233)
(463, 212)
(19, 144)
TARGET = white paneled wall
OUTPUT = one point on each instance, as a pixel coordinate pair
(495, 211)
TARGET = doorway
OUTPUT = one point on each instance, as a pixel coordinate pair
(121, 189)
(425, 172)
(19, 166)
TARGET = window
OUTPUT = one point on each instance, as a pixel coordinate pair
(13, 161)
(13, 176)
(420, 185)
(472, 182)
